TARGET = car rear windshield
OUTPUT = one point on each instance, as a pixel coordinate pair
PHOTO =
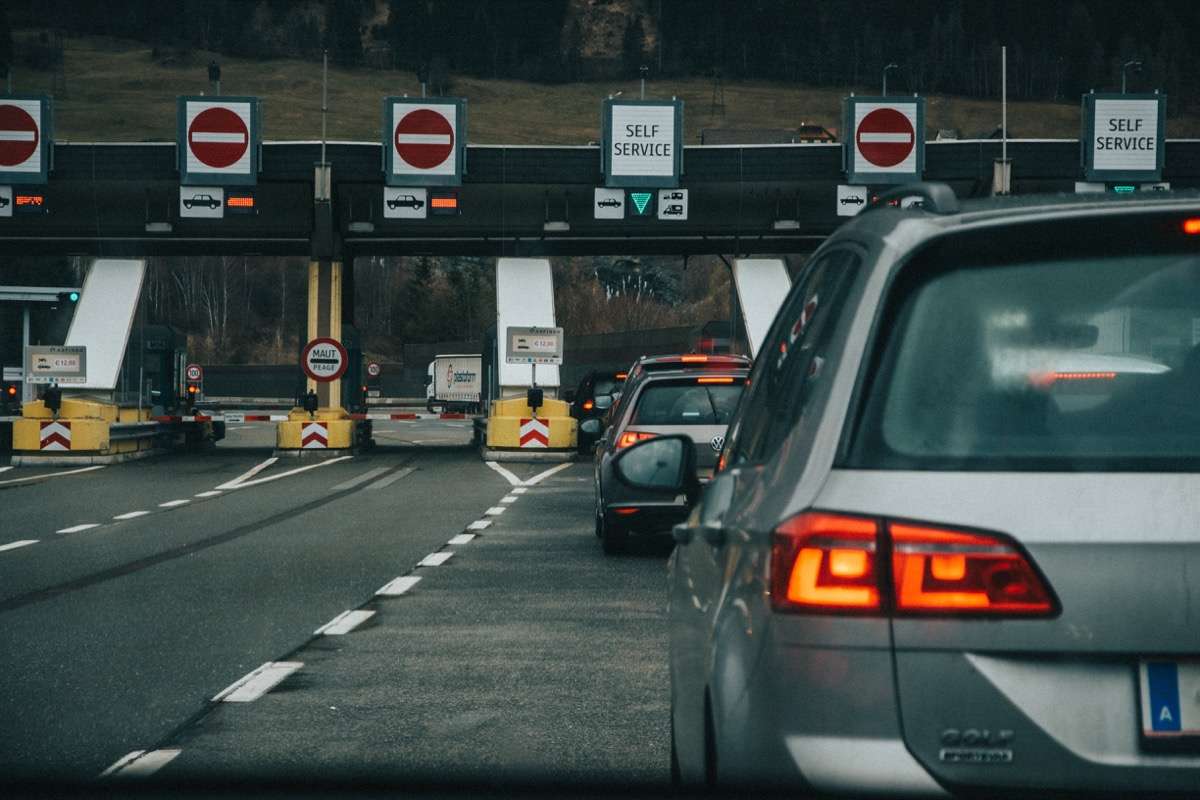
(1057, 365)
(687, 403)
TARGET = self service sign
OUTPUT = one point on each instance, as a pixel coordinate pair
(1123, 136)
(642, 141)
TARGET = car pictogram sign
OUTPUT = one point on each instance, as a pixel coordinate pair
(218, 140)
(425, 141)
(24, 139)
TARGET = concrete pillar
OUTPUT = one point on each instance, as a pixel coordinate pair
(325, 320)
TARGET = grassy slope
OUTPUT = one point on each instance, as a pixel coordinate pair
(115, 92)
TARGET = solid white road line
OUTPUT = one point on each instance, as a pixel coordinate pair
(479, 525)
(255, 684)
(15, 545)
(287, 474)
(511, 478)
(399, 586)
(212, 493)
(250, 473)
(5, 469)
(383, 483)
(357, 479)
(174, 503)
(435, 559)
(140, 764)
(495, 511)
(511, 498)
(519, 490)
(131, 515)
(52, 475)
(462, 538)
(343, 623)
(536, 479)
(87, 526)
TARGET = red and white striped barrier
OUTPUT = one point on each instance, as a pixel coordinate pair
(55, 435)
(233, 416)
(535, 433)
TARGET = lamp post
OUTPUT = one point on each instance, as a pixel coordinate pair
(886, 69)
(643, 69)
(1137, 67)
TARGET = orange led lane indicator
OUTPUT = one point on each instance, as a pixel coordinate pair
(1191, 226)
(443, 202)
(242, 201)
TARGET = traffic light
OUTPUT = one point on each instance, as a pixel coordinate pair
(68, 297)
(10, 398)
(193, 390)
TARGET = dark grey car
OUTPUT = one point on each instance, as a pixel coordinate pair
(955, 541)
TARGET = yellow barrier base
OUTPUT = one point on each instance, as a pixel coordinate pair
(328, 432)
(515, 433)
(80, 434)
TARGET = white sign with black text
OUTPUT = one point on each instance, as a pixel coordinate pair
(201, 202)
(643, 141)
(1126, 135)
(405, 202)
(673, 204)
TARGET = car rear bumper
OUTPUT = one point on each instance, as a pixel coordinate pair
(646, 517)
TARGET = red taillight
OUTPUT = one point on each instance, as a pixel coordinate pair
(1191, 226)
(588, 405)
(936, 570)
(627, 512)
(837, 563)
(633, 437)
(693, 359)
(714, 380)
(621, 376)
(826, 562)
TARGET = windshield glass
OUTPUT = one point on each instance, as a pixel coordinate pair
(687, 404)
(1068, 364)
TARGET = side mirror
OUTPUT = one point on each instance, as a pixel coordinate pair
(592, 426)
(604, 401)
(664, 464)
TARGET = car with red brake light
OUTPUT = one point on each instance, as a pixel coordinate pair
(952, 544)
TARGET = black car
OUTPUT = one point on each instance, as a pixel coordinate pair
(596, 393)
(611, 202)
(206, 200)
(3, 201)
(405, 201)
(852, 200)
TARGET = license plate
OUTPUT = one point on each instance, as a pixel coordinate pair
(1170, 695)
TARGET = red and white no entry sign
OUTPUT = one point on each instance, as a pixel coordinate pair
(20, 135)
(324, 359)
(885, 137)
(218, 137)
(425, 139)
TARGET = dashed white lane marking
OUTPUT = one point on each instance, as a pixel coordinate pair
(289, 473)
(131, 515)
(140, 764)
(383, 483)
(536, 479)
(212, 493)
(479, 525)
(495, 511)
(15, 545)
(357, 479)
(250, 473)
(399, 586)
(5, 469)
(511, 478)
(174, 503)
(512, 498)
(52, 475)
(255, 684)
(462, 538)
(343, 623)
(519, 490)
(435, 559)
(87, 526)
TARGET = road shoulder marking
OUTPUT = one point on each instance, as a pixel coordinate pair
(495, 511)
(462, 538)
(343, 623)
(479, 525)
(131, 515)
(436, 559)
(15, 545)
(174, 503)
(140, 763)
(87, 526)
(52, 475)
(255, 684)
(399, 586)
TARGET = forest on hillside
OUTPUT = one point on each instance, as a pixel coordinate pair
(1057, 50)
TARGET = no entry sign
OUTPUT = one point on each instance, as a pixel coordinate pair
(425, 141)
(324, 360)
(218, 140)
(888, 143)
(25, 140)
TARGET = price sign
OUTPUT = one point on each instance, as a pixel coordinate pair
(534, 346)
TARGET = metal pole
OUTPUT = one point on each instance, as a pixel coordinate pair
(1004, 104)
(26, 387)
(324, 97)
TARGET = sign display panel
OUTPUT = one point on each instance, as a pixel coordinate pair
(324, 359)
(405, 202)
(55, 364)
(201, 202)
(26, 138)
(534, 345)
(642, 142)
(609, 204)
(424, 141)
(850, 200)
(888, 141)
(6, 201)
(673, 204)
(1124, 139)
(218, 140)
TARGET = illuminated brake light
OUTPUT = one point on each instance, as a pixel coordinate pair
(714, 380)
(693, 359)
(588, 405)
(823, 561)
(1191, 226)
(621, 376)
(629, 438)
(626, 512)
(936, 570)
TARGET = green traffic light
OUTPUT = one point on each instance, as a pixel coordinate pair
(640, 200)
(73, 297)
(1124, 188)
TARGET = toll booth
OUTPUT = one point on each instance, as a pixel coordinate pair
(154, 363)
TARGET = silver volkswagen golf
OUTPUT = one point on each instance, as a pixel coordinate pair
(953, 543)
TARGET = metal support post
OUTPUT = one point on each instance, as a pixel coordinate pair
(26, 387)
(325, 320)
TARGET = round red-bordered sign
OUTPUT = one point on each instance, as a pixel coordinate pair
(218, 137)
(885, 137)
(324, 359)
(194, 372)
(21, 135)
(373, 369)
(424, 139)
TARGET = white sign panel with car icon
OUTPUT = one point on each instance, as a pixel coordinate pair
(6, 204)
(609, 204)
(400, 202)
(850, 200)
(202, 202)
(673, 204)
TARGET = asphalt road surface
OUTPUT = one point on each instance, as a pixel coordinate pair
(166, 620)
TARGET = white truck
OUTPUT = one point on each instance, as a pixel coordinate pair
(452, 383)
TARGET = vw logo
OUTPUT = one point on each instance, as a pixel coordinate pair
(717, 443)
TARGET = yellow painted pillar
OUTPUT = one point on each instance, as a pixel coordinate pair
(325, 320)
